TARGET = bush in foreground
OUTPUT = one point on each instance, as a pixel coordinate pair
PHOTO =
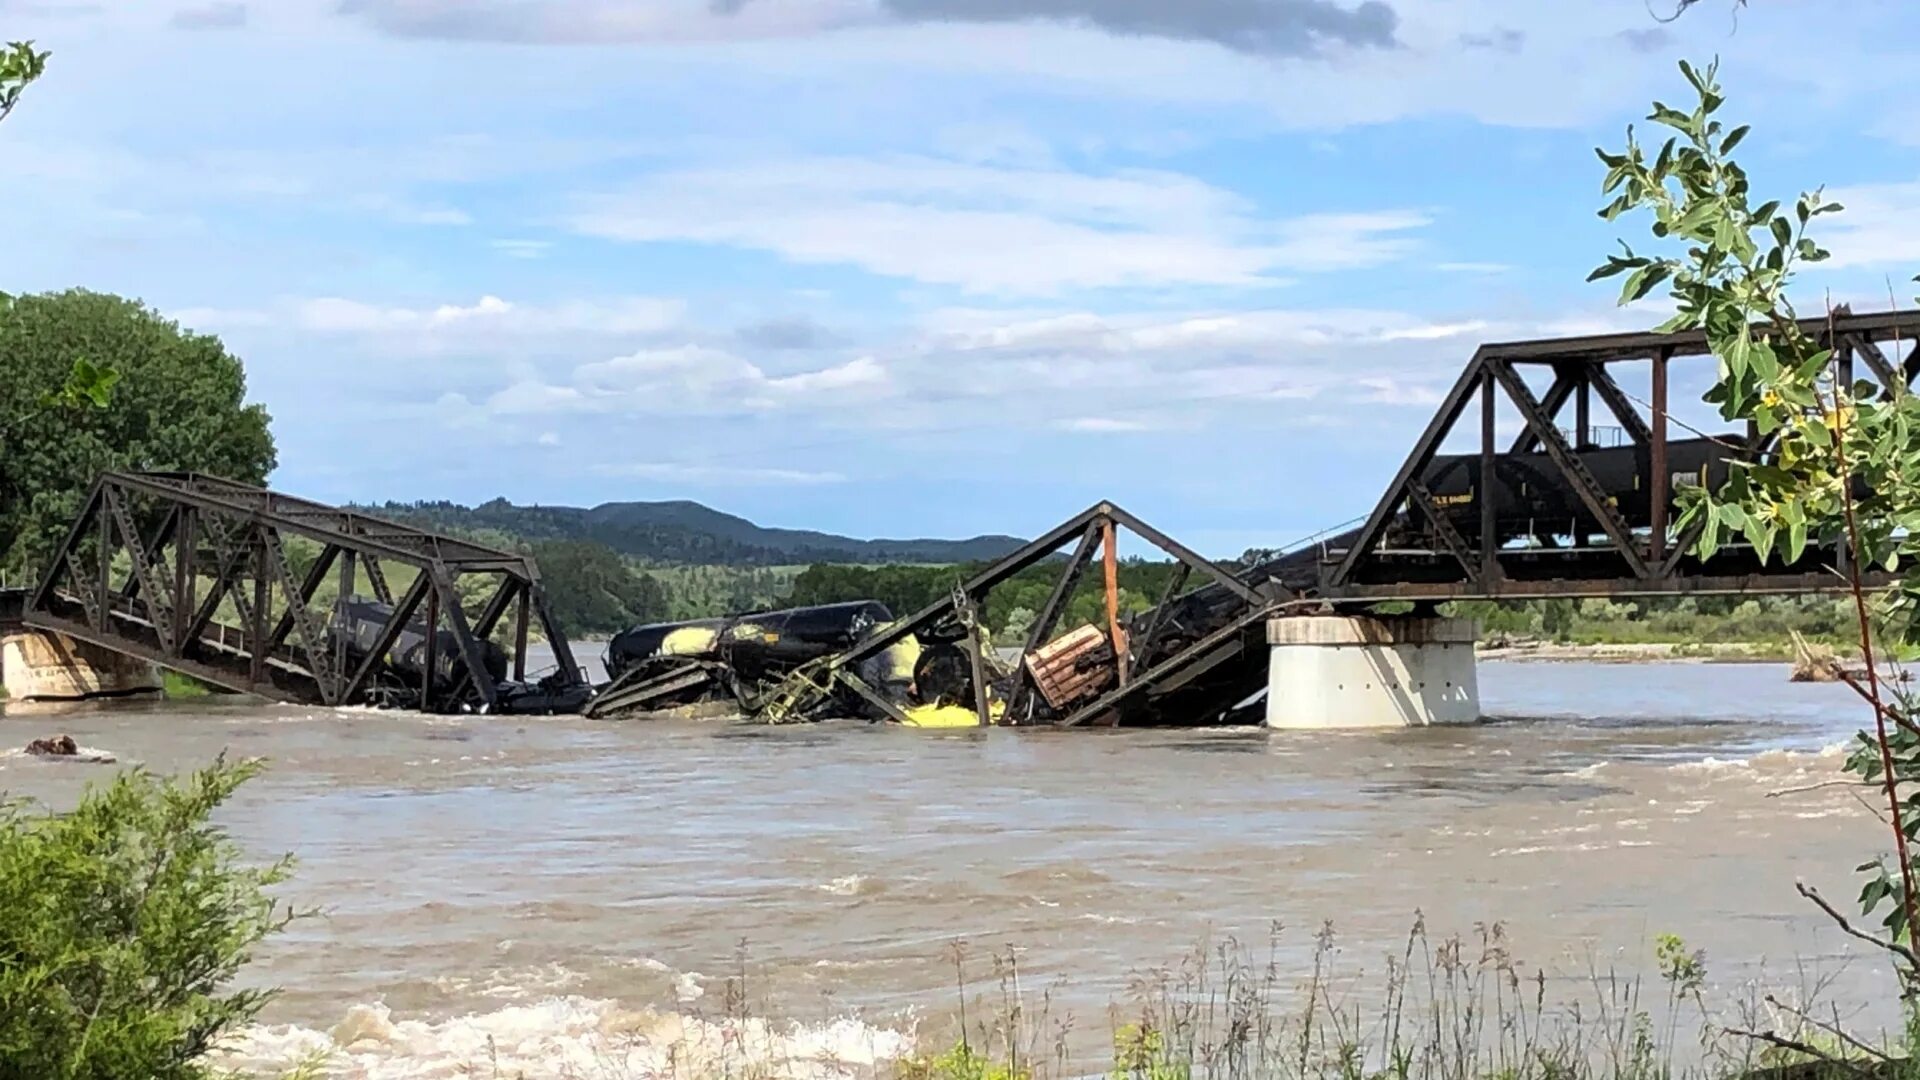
(122, 924)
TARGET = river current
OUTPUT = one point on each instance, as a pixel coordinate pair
(514, 890)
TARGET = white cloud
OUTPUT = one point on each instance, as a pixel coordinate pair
(489, 324)
(548, 438)
(995, 229)
(694, 380)
(1103, 425)
(1880, 227)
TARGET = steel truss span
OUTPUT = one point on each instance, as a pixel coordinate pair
(1557, 513)
(194, 573)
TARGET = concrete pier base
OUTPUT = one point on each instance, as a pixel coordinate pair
(40, 666)
(1339, 671)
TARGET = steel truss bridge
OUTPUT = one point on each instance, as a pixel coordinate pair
(193, 573)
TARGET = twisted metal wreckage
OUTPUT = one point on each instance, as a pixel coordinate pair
(192, 572)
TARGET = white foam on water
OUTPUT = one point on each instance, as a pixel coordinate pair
(849, 885)
(514, 983)
(1770, 761)
(568, 1038)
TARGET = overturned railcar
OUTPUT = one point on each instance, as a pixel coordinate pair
(357, 624)
(739, 659)
(400, 673)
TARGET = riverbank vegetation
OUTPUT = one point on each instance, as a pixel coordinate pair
(1458, 1008)
(1842, 455)
(125, 922)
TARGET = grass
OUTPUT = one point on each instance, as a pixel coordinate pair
(1459, 1008)
(182, 687)
(1456, 1009)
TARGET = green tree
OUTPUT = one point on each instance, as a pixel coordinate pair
(126, 920)
(593, 590)
(181, 406)
(1846, 460)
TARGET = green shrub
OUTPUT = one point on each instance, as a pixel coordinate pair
(122, 924)
(962, 1062)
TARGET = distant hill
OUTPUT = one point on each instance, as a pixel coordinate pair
(684, 532)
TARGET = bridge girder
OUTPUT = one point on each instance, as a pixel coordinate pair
(193, 573)
(1635, 558)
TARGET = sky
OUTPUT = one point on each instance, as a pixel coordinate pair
(900, 267)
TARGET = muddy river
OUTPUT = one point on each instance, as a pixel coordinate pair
(501, 890)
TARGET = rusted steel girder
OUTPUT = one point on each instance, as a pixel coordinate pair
(1430, 558)
(192, 572)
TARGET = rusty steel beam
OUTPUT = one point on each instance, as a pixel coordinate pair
(1450, 537)
(1657, 464)
(236, 533)
(1600, 349)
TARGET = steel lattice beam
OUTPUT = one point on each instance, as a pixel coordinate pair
(155, 558)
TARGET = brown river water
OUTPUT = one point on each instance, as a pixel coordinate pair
(511, 891)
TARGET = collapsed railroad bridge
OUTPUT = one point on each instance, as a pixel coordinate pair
(191, 572)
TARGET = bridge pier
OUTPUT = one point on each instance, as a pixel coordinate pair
(37, 665)
(1358, 671)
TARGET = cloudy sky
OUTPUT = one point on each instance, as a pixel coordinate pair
(930, 267)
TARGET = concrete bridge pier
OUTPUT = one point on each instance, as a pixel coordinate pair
(1360, 671)
(36, 665)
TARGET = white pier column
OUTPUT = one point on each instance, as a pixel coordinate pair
(1359, 671)
(39, 666)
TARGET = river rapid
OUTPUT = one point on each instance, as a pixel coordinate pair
(521, 891)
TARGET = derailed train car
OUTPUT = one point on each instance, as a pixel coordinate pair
(357, 624)
(739, 659)
(401, 672)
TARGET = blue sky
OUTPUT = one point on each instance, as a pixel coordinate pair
(897, 267)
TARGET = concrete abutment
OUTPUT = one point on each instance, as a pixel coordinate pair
(37, 665)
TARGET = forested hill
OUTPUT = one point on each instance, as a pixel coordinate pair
(686, 533)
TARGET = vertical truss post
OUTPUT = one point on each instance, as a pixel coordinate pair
(186, 548)
(431, 651)
(1583, 413)
(520, 618)
(103, 585)
(1657, 462)
(345, 589)
(1110, 571)
(1489, 521)
(257, 632)
(982, 710)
